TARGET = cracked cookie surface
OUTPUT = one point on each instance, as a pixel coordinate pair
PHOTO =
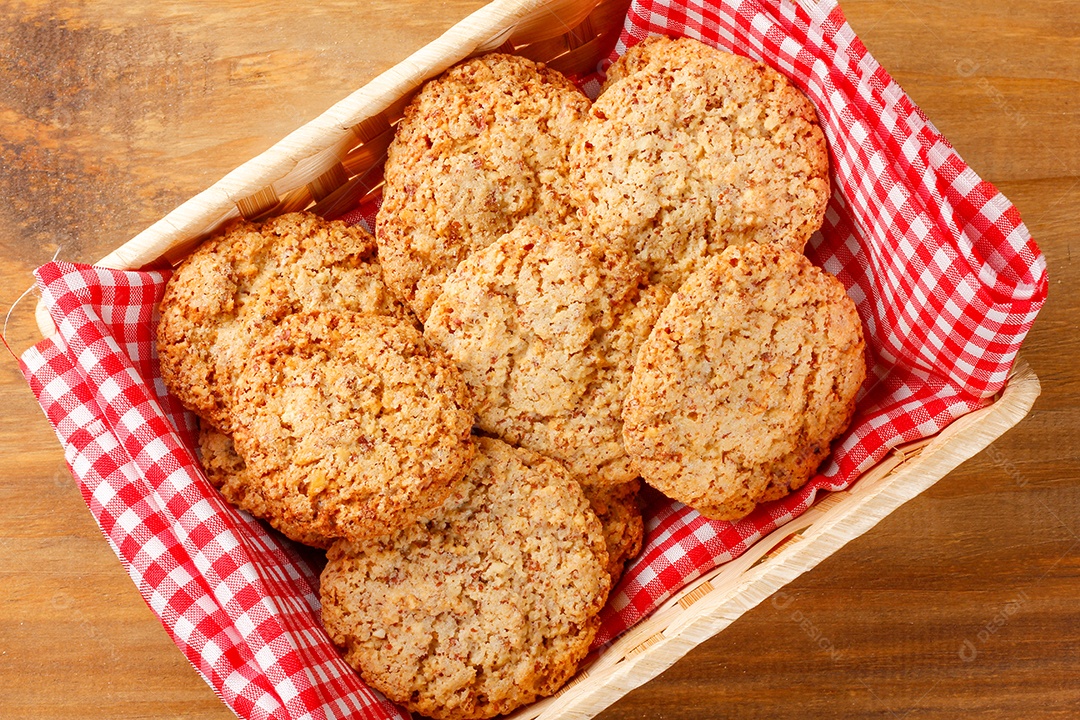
(689, 150)
(227, 472)
(481, 606)
(751, 371)
(481, 148)
(239, 283)
(545, 327)
(351, 425)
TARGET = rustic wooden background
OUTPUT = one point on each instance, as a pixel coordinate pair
(964, 600)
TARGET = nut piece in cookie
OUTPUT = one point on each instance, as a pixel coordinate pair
(690, 149)
(750, 373)
(545, 326)
(227, 472)
(226, 294)
(350, 425)
(481, 148)
(657, 52)
(482, 606)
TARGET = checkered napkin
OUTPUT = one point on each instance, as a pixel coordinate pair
(945, 276)
(242, 604)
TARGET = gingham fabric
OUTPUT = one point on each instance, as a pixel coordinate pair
(945, 276)
(241, 604)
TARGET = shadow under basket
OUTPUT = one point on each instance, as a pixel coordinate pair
(333, 165)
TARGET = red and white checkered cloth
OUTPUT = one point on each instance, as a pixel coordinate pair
(946, 279)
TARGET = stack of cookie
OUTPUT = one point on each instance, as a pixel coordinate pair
(562, 298)
(324, 410)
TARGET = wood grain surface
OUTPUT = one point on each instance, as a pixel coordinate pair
(963, 601)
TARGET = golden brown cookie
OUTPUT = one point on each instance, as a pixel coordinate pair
(350, 425)
(750, 373)
(226, 294)
(545, 327)
(655, 51)
(227, 472)
(691, 150)
(482, 606)
(619, 510)
(481, 148)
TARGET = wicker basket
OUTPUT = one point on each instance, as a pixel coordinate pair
(334, 162)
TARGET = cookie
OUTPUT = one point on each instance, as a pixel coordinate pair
(227, 472)
(481, 148)
(482, 606)
(751, 371)
(545, 327)
(350, 424)
(619, 510)
(655, 51)
(691, 150)
(234, 286)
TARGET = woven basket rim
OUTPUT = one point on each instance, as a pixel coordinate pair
(690, 617)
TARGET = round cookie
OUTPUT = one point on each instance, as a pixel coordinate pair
(545, 327)
(751, 371)
(227, 472)
(350, 425)
(693, 150)
(619, 511)
(235, 285)
(482, 606)
(481, 148)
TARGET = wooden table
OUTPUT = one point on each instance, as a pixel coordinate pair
(111, 113)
